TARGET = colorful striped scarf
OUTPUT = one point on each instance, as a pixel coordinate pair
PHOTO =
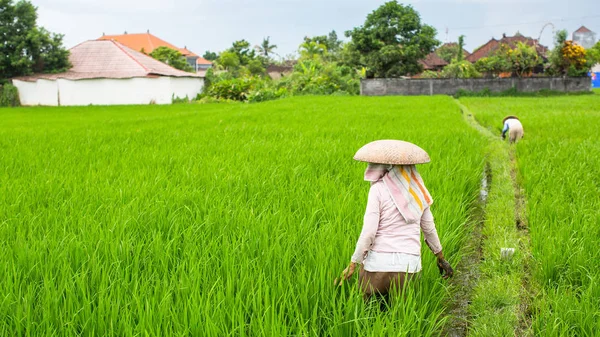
(405, 186)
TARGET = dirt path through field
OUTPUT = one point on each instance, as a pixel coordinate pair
(468, 275)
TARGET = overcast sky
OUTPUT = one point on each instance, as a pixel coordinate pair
(214, 24)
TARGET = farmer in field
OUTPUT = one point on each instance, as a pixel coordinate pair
(513, 126)
(389, 246)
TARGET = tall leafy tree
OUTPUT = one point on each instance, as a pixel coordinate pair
(171, 57)
(26, 48)
(447, 52)
(209, 55)
(312, 49)
(460, 56)
(266, 48)
(392, 41)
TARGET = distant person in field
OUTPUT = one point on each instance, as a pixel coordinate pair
(398, 209)
(513, 126)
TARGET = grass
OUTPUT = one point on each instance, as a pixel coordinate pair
(558, 168)
(496, 298)
(214, 220)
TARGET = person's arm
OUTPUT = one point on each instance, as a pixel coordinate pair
(431, 237)
(370, 225)
(367, 235)
(505, 129)
(433, 242)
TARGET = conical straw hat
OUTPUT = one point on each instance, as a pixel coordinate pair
(394, 152)
(509, 117)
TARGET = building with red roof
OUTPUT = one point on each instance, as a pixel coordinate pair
(146, 43)
(584, 37)
(489, 48)
(105, 72)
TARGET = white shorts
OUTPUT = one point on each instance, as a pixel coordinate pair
(392, 262)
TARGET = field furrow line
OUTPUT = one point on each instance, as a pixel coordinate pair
(500, 300)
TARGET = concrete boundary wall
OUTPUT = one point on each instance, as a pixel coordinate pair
(450, 86)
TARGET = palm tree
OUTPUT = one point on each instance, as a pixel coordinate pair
(266, 47)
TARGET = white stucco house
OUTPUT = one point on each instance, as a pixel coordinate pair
(109, 73)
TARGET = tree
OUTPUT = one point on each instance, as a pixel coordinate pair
(459, 56)
(243, 51)
(171, 57)
(392, 41)
(568, 58)
(330, 41)
(210, 56)
(27, 48)
(312, 49)
(266, 48)
(593, 54)
(523, 59)
(447, 52)
(228, 60)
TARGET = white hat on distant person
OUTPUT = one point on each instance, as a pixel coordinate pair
(394, 152)
(510, 117)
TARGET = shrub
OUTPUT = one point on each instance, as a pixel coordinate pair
(9, 96)
(234, 89)
(462, 69)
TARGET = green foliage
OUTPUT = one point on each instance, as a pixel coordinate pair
(179, 100)
(523, 59)
(240, 60)
(431, 74)
(460, 69)
(215, 219)
(558, 170)
(460, 56)
(210, 56)
(447, 52)
(513, 92)
(315, 77)
(9, 96)
(570, 59)
(228, 60)
(593, 54)
(235, 89)
(27, 48)
(520, 61)
(266, 48)
(171, 57)
(328, 46)
(255, 67)
(312, 49)
(492, 65)
(392, 41)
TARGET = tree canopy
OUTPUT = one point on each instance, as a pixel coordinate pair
(171, 57)
(392, 41)
(25, 47)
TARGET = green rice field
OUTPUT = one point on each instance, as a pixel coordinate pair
(559, 169)
(215, 220)
(235, 219)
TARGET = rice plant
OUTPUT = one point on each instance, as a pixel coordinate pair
(559, 169)
(215, 220)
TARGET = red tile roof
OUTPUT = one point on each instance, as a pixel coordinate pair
(110, 59)
(202, 60)
(454, 45)
(432, 61)
(146, 42)
(583, 29)
(492, 45)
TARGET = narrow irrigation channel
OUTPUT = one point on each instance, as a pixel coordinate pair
(467, 271)
(492, 291)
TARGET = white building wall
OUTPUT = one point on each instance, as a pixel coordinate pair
(40, 92)
(159, 90)
(186, 86)
(596, 68)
